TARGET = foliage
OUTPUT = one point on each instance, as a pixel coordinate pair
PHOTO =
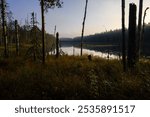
(35, 50)
(52, 4)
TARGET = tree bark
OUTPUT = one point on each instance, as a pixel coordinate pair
(57, 44)
(43, 31)
(123, 37)
(3, 6)
(142, 35)
(83, 24)
(17, 37)
(139, 29)
(132, 42)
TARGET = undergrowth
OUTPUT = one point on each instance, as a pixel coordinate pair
(70, 77)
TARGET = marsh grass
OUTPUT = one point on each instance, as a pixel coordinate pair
(70, 77)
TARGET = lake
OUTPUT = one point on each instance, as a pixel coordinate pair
(76, 51)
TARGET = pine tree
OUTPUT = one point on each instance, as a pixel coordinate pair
(35, 50)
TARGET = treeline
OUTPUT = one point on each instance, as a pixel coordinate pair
(104, 38)
(110, 38)
(26, 34)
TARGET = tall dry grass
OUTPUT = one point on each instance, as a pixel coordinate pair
(70, 77)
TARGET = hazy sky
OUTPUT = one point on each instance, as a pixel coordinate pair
(102, 15)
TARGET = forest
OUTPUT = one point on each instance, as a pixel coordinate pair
(32, 67)
(103, 41)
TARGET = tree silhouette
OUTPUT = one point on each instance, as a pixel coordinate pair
(83, 24)
(35, 50)
(132, 41)
(45, 5)
(3, 15)
(139, 28)
(0, 30)
(57, 44)
(123, 36)
(142, 38)
(17, 37)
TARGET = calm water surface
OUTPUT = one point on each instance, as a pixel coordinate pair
(76, 51)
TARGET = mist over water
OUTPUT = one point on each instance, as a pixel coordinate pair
(76, 51)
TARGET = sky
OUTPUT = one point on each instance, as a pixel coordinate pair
(102, 15)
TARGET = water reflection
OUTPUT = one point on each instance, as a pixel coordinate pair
(76, 51)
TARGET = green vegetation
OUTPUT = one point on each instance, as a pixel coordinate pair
(70, 77)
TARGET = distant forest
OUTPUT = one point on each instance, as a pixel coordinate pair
(26, 35)
(111, 40)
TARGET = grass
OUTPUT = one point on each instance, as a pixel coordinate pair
(70, 77)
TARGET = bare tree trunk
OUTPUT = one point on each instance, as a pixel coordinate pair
(83, 24)
(55, 37)
(43, 31)
(55, 31)
(3, 6)
(17, 38)
(139, 29)
(34, 31)
(123, 37)
(132, 42)
(142, 38)
(57, 44)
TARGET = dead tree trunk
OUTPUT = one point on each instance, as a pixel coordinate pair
(132, 42)
(3, 13)
(123, 37)
(55, 30)
(142, 38)
(34, 33)
(43, 31)
(83, 24)
(139, 28)
(55, 37)
(57, 44)
(17, 37)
